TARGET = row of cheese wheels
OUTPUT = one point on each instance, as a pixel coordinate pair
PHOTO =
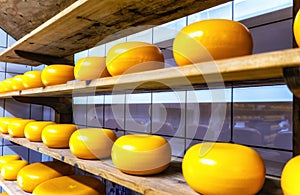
(209, 168)
(48, 178)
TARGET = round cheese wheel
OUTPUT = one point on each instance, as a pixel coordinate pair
(140, 154)
(290, 177)
(32, 79)
(6, 158)
(32, 175)
(58, 135)
(10, 170)
(16, 127)
(70, 185)
(33, 130)
(17, 83)
(4, 123)
(92, 143)
(57, 74)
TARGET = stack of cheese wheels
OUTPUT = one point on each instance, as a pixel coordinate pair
(212, 39)
(10, 170)
(4, 123)
(223, 168)
(6, 158)
(151, 154)
(70, 185)
(92, 143)
(32, 175)
(90, 68)
(33, 130)
(132, 57)
(32, 79)
(16, 127)
(58, 135)
(57, 74)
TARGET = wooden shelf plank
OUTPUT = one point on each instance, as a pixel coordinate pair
(170, 181)
(11, 187)
(265, 66)
(86, 23)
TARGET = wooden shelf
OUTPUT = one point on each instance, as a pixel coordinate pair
(12, 188)
(86, 23)
(265, 66)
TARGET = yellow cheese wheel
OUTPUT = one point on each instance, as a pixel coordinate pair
(32, 175)
(32, 79)
(6, 158)
(58, 135)
(7, 85)
(297, 28)
(290, 177)
(132, 57)
(16, 127)
(71, 185)
(90, 68)
(10, 170)
(33, 130)
(211, 40)
(57, 74)
(92, 143)
(4, 193)
(223, 168)
(4, 123)
(17, 83)
(139, 154)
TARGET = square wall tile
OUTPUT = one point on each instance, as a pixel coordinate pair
(138, 112)
(223, 11)
(15, 149)
(36, 112)
(97, 51)
(168, 113)
(46, 158)
(79, 110)
(17, 68)
(2, 66)
(114, 111)
(169, 30)
(10, 41)
(46, 113)
(2, 107)
(95, 111)
(17, 109)
(177, 146)
(34, 156)
(143, 36)
(3, 38)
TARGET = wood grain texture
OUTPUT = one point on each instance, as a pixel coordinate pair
(11, 187)
(88, 23)
(19, 18)
(265, 66)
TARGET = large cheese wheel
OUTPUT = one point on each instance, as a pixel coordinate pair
(57, 74)
(297, 28)
(33, 130)
(92, 143)
(90, 68)
(290, 177)
(140, 154)
(132, 57)
(71, 185)
(58, 135)
(4, 122)
(32, 79)
(6, 158)
(211, 40)
(16, 127)
(10, 170)
(32, 175)
(223, 168)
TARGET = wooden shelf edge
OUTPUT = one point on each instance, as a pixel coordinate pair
(11, 187)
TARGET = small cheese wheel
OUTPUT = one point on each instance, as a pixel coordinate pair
(16, 127)
(6, 158)
(32, 175)
(17, 83)
(33, 130)
(32, 79)
(10, 170)
(70, 185)
(4, 123)
(57, 74)
(58, 135)
(90, 68)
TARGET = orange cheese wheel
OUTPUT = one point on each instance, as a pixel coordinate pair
(132, 57)
(17, 83)
(6, 158)
(10, 170)
(71, 185)
(57, 74)
(4, 193)
(140, 154)
(32, 79)
(33, 130)
(296, 28)
(290, 177)
(212, 39)
(16, 127)
(32, 175)
(58, 135)
(92, 143)
(4, 123)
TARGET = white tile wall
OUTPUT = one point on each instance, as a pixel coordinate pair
(144, 36)
(3, 38)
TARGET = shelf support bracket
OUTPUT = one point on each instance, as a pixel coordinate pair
(61, 105)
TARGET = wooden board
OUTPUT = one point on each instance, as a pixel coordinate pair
(265, 66)
(87, 23)
(12, 188)
(169, 182)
